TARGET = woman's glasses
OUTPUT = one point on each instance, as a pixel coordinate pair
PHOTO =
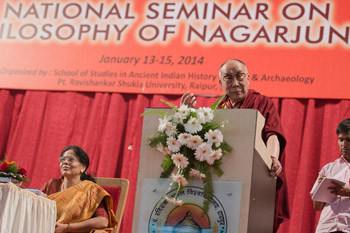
(70, 159)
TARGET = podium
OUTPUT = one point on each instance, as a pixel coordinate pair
(248, 164)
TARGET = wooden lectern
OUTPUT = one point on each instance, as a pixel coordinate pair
(248, 162)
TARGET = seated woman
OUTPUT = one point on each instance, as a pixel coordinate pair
(82, 205)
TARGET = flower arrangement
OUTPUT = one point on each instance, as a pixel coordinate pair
(12, 170)
(192, 145)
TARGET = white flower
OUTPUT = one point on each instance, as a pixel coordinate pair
(202, 152)
(170, 129)
(183, 110)
(197, 173)
(173, 144)
(163, 149)
(215, 155)
(205, 115)
(180, 179)
(162, 124)
(180, 160)
(178, 117)
(193, 125)
(194, 141)
(184, 137)
(166, 126)
(214, 137)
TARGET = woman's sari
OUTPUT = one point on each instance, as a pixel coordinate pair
(79, 203)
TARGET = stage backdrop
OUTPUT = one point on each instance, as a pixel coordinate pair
(292, 48)
(35, 126)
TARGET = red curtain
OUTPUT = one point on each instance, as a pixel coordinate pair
(36, 125)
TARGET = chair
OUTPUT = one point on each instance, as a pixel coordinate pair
(123, 185)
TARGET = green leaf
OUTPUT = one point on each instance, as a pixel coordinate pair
(186, 171)
(225, 147)
(168, 167)
(190, 155)
(180, 128)
(169, 104)
(159, 112)
(210, 125)
(215, 105)
(217, 167)
(180, 188)
(12, 168)
(159, 137)
(208, 189)
(192, 114)
(167, 162)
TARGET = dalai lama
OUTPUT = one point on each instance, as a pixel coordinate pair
(234, 80)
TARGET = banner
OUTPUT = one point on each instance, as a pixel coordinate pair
(296, 49)
(159, 215)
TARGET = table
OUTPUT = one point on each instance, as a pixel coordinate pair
(22, 211)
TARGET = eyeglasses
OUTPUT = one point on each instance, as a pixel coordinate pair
(239, 77)
(69, 158)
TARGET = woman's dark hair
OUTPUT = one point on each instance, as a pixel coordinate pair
(344, 126)
(83, 159)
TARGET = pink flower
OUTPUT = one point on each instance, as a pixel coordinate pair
(172, 200)
(162, 149)
(202, 152)
(180, 179)
(215, 155)
(214, 137)
(197, 173)
(180, 160)
(170, 129)
(168, 199)
(179, 202)
(184, 137)
(194, 142)
(173, 144)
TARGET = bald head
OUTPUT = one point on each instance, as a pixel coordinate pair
(233, 60)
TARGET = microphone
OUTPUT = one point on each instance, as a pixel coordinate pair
(227, 96)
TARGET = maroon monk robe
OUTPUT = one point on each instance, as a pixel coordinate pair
(273, 126)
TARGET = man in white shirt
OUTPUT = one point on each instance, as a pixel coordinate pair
(335, 216)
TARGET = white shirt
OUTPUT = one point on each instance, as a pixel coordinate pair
(335, 216)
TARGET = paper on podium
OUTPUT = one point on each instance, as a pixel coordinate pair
(322, 193)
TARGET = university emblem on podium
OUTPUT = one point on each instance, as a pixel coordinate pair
(189, 217)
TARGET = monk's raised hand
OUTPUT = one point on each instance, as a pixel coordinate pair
(188, 99)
